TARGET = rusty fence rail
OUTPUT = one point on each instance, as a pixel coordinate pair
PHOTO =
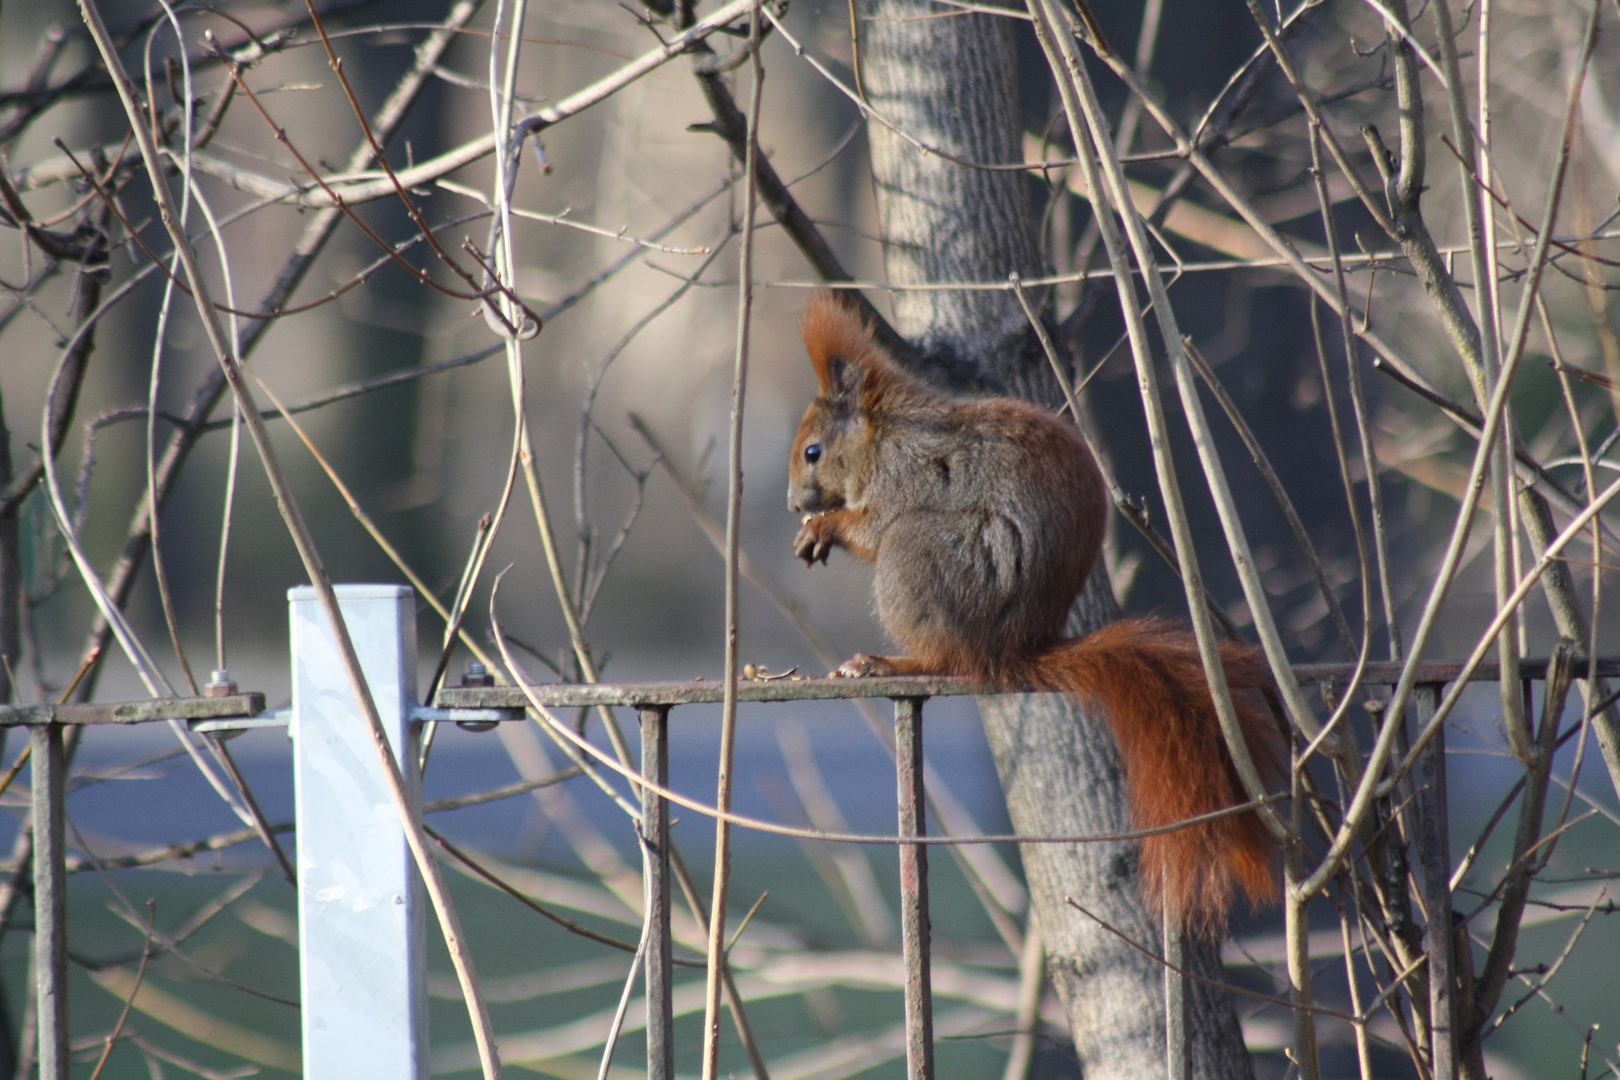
(653, 701)
(348, 935)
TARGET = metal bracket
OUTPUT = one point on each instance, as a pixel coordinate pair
(470, 719)
(466, 719)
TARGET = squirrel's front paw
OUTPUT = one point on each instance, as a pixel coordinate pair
(815, 540)
(865, 665)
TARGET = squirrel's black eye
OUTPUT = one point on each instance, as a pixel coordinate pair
(812, 453)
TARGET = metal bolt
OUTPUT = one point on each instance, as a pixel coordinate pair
(219, 684)
(477, 675)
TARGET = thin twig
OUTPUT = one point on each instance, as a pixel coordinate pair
(534, 905)
(617, 1025)
(305, 249)
(129, 1003)
(998, 890)
(728, 717)
(1284, 503)
(260, 825)
(353, 190)
(1318, 1010)
(1080, 104)
(567, 735)
(225, 354)
(1356, 811)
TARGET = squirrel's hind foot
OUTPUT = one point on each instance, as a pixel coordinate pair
(867, 666)
(864, 666)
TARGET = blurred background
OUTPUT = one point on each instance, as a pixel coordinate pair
(627, 400)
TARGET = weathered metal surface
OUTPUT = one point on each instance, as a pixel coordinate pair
(50, 902)
(362, 933)
(478, 700)
(914, 928)
(572, 695)
(134, 712)
(230, 726)
(655, 835)
(469, 719)
(569, 695)
(1444, 671)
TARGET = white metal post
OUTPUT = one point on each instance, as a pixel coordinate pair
(361, 931)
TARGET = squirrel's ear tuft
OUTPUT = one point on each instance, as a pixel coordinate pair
(840, 345)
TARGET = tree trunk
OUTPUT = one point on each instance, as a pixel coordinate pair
(951, 83)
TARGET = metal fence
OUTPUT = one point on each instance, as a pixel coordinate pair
(362, 933)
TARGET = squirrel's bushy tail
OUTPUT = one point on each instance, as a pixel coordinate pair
(1145, 673)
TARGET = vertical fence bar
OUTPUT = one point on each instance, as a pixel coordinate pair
(50, 901)
(361, 930)
(908, 745)
(655, 840)
(1434, 857)
(1177, 1051)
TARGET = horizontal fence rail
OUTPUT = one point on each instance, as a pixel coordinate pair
(813, 688)
(135, 712)
(341, 944)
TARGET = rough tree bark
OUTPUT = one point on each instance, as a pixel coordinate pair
(952, 83)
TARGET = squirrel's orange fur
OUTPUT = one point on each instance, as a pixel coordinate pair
(983, 518)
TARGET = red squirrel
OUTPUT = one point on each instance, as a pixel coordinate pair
(983, 518)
